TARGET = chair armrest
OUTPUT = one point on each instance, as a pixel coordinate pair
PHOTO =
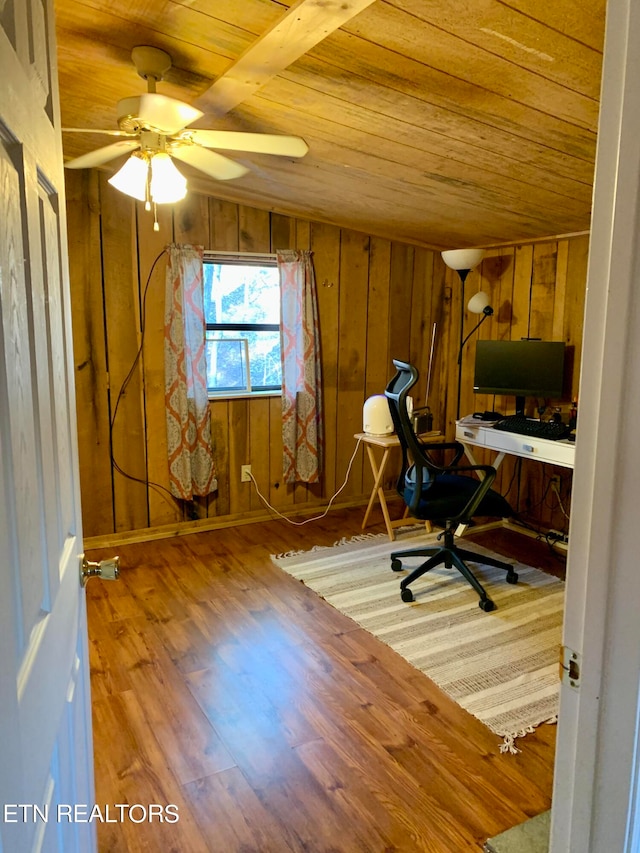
(483, 487)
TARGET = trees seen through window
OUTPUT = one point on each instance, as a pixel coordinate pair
(242, 311)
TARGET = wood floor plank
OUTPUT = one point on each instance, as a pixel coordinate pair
(277, 724)
(389, 831)
(232, 816)
(131, 768)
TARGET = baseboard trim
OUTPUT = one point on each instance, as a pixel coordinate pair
(203, 525)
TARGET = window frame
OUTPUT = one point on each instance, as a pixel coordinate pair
(257, 259)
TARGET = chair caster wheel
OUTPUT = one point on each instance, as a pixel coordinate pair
(396, 565)
(486, 604)
(406, 594)
(512, 577)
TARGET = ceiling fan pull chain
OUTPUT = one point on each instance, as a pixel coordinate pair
(147, 190)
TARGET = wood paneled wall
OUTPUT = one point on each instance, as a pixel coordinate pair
(378, 300)
(537, 291)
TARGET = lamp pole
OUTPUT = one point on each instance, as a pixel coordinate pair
(462, 261)
(487, 311)
(463, 277)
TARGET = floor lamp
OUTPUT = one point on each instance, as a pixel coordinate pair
(463, 261)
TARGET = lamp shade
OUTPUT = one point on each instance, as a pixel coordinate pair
(167, 183)
(131, 179)
(462, 259)
(478, 302)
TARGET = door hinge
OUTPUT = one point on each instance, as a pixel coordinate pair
(570, 666)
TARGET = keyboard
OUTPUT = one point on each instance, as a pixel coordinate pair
(523, 425)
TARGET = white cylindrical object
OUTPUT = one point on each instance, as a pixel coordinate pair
(376, 416)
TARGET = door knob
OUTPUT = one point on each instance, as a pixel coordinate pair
(108, 570)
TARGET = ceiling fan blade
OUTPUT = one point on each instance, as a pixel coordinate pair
(103, 155)
(102, 132)
(209, 162)
(259, 143)
(165, 114)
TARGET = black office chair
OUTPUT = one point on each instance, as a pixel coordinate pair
(445, 495)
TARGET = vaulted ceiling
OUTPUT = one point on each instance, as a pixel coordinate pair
(445, 123)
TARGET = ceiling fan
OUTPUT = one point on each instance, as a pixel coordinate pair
(155, 128)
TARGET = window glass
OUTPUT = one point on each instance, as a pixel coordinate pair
(242, 311)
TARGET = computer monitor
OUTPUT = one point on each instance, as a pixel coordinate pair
(523, 368)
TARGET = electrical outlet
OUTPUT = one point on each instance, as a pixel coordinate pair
(555, 481)
(245, 473)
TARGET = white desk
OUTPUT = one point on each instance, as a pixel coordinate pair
(482, 434)
(541, 449)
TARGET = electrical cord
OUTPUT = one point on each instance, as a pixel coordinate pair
(542, 499)
(517, 519)
(331, 500)
(512, 480)
(158, 487)
(143, 320)
(552, 545)
(555, 488)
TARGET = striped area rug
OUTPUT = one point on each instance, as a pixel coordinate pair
(501, 666)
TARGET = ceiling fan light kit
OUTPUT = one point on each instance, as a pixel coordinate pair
(149, 175)
(155, 128)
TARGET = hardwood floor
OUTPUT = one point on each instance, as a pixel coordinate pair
(225, 687)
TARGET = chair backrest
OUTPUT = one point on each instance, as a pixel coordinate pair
(413, 451)
(427, 473)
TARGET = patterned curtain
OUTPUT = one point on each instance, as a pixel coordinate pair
(302, 432)
(191, 465)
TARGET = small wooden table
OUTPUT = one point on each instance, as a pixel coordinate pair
(387, 443)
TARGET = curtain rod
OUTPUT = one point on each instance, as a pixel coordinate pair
(240, 253)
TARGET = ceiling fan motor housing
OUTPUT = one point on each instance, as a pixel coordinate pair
(128, 110)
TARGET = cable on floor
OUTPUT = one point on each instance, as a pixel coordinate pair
(331, 500)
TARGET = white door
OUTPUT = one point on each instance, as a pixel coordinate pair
(45, 732)
(596, 799)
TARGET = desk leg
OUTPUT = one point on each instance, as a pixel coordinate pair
(468, 452)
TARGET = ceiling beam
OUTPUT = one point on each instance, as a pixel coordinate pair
(304, 25)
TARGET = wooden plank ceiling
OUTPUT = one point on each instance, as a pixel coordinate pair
(445, 123)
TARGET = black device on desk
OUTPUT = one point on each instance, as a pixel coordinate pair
(532, 427)
(487, 416)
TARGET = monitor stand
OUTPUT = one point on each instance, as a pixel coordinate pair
(520, 405)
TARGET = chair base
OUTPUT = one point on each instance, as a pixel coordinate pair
(451, 556)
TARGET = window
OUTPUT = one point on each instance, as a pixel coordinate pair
(242, 313)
